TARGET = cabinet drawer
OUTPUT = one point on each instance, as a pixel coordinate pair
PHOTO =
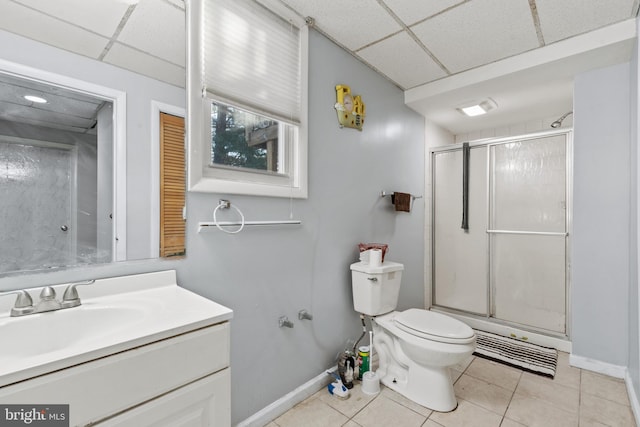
(206, 402)
(103, 387)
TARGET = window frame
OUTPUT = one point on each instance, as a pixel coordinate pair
(201, 176)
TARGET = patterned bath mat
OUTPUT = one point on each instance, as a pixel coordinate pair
(520, 354)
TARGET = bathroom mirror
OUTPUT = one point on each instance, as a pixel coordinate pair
(80, 174)
(57, 163)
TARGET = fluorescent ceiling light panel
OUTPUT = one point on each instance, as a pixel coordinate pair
(473, 110)
(478, 108)
(36, 99)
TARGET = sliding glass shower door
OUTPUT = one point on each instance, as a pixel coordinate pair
(528, 231)
(511, 265)
(460, 258)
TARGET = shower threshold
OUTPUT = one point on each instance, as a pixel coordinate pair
(561, 343)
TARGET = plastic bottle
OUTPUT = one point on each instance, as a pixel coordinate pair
(346, 365)
(363, 355)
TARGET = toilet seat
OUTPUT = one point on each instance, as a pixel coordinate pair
(434, 326)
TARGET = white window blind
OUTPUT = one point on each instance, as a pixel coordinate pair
(252, 58)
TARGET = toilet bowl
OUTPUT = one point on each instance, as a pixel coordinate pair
(416, 348)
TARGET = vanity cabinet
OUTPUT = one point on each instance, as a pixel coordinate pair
(181, 380)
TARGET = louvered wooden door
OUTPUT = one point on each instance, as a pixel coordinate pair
(172, 186)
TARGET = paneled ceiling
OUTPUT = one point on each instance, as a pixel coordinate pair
(414, 42)
(522, 54)
(64, 110)
(419, 45)
(145, 36)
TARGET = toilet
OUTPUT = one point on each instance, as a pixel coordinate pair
(415, 347)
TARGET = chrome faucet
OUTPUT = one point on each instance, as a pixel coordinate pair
(23, 304)
(48, 302)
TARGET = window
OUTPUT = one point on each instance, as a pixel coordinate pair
(248, 131)
(245, 140)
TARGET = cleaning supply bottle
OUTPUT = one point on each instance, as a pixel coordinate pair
(363, 355)
(337, 388)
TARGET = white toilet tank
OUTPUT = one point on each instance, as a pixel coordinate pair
(376, 288)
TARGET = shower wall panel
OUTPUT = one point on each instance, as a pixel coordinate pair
(460, 262)
(36, 203)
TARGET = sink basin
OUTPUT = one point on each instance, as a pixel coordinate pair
(53, 331)
(116, 314)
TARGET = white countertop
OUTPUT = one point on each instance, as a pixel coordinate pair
(116, 314)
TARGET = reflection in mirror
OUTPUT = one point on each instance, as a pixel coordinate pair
(56, 150)
(125, 60)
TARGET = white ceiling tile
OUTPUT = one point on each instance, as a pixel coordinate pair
(411, 11)
(479, 32)
(354, 23)
(157, 27)
(567, 18)
(26, 22)
(402, 60)
(124, 57)
(101, 16)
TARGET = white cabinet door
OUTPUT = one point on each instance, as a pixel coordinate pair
(101, 388)
(206, 402)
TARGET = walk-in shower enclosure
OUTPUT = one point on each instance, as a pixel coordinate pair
(511, 265)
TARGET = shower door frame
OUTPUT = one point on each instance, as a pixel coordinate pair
(490, 310)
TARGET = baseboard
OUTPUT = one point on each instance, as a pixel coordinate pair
(633, 397)
(604, 368)
(288, 401)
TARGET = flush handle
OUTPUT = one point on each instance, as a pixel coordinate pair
(373, 279)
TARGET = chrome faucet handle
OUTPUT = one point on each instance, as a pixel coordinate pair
(23, 304)
(284, 322)
(71, 297)
(304, 315)
(48, 301)
(47, 293)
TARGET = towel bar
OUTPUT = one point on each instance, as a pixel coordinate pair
(210, 225)
(384, 194)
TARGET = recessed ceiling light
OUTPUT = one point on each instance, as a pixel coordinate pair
(477, 108)
(473, 110)
(36, 99)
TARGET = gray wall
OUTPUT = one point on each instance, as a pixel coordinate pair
(600, 256)
(266, 273)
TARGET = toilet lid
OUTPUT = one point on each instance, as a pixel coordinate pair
(435, 326)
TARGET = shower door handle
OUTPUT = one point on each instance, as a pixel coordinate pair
(531, 233)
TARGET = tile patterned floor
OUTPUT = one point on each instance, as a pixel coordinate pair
(489, 395)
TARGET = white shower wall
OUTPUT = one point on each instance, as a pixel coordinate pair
(37, 201)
